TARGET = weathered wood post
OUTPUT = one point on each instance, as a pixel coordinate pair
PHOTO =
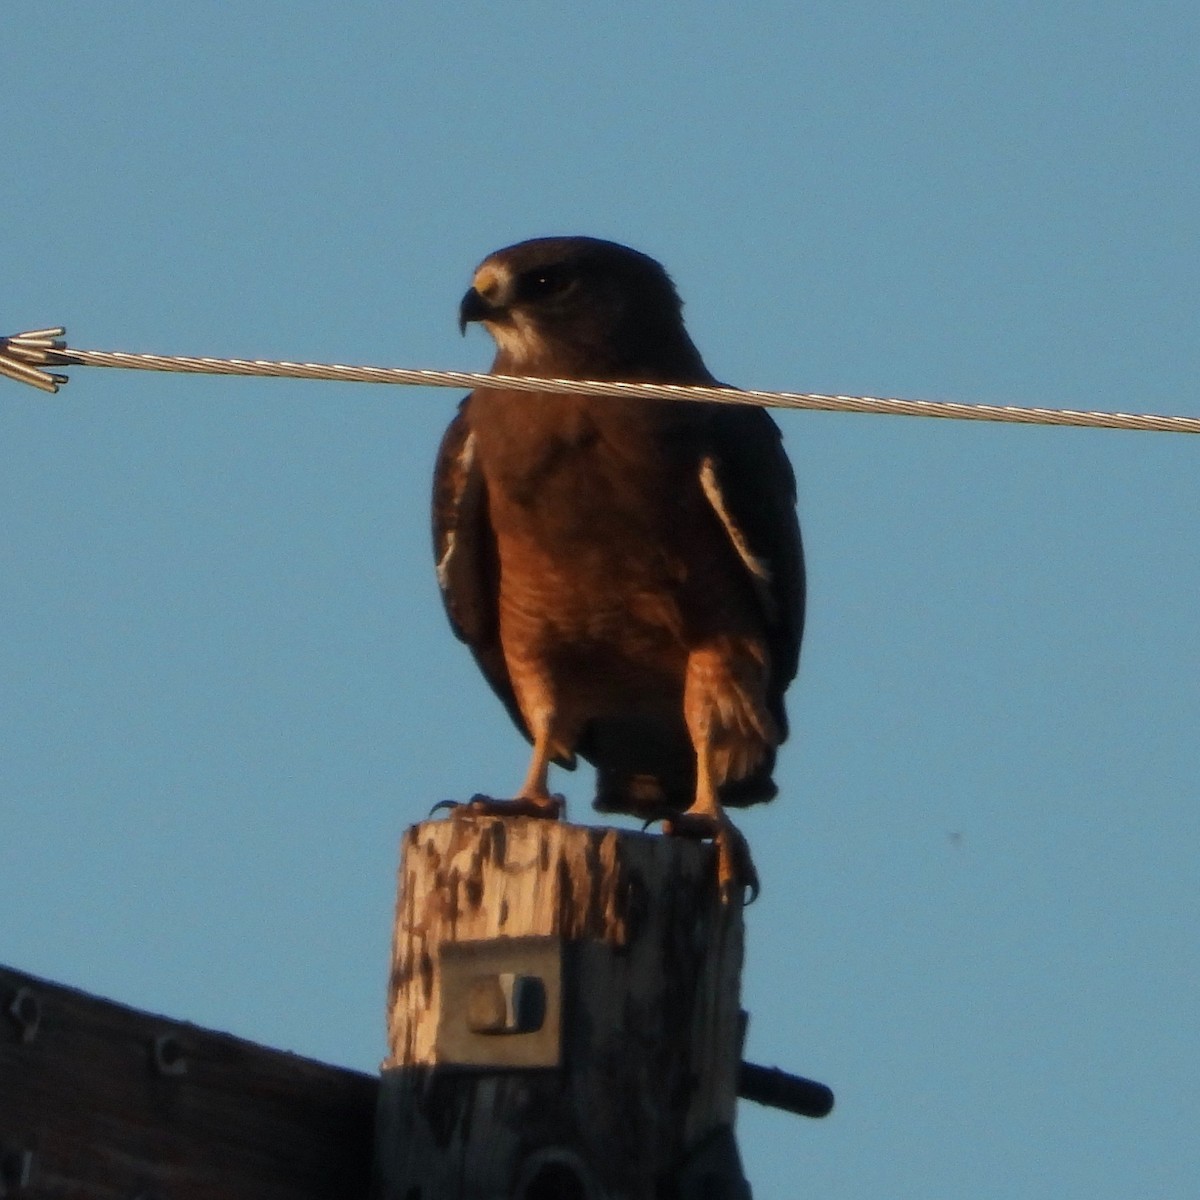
(563, 1017)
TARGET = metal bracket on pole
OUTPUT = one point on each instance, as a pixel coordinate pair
(501, 1003)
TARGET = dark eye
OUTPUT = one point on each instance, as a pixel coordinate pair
(549, 281)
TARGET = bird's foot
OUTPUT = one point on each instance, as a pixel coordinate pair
(547, 808)
(736, 873)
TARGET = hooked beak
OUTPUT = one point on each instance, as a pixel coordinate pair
(473, 308)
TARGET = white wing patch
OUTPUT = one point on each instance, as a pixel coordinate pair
(462, 468)
(760, 572)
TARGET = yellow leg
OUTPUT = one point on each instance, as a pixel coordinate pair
(534, 799)
(705, 817)
(535, 791)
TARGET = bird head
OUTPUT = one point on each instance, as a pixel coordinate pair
(575, 304)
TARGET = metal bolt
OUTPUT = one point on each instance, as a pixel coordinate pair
(506, 1003)
(168, 1055)
(26, 1011)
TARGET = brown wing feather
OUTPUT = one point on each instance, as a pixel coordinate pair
(464, 548)
(758, 490)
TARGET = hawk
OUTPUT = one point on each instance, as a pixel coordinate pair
(627, 572)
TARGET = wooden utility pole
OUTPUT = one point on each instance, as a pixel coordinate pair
(564, 1025)
(564, 1017)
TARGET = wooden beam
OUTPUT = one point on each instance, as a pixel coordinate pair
(102, 1102)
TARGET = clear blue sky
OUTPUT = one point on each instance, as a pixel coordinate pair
(226, 682)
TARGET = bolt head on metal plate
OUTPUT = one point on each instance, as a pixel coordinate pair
(501, 1003)
(506, 1003)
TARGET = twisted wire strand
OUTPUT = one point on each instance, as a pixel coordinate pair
(23, 357)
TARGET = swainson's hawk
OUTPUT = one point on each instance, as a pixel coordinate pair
(627, 572)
